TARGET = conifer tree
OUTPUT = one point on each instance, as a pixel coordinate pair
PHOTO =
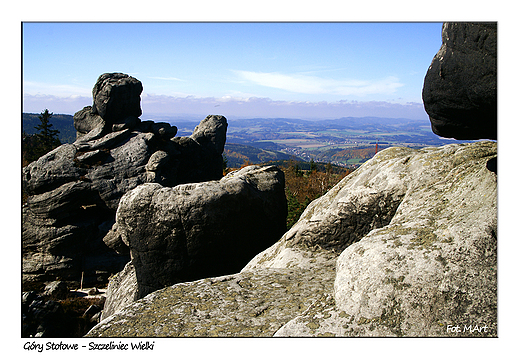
(47, 137)
(37, 145)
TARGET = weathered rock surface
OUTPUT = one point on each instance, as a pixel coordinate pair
(403, 246)
(460, 87)
(85, 121)
(245, 304)
(121, 291)
(74, 190)
(198, 230)
(433, 265)
(56, 290)
(116, 97)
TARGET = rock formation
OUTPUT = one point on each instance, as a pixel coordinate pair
(194, 231)
(201, 229)
(460, 87)
(74, 190)
(403, 246)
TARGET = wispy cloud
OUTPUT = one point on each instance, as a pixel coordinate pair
(32, 87)
(55, 104)
(235, 106)
(166, 78)
(306, 84)
(231, 106)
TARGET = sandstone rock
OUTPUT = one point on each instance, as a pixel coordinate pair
(211, 133)
(241, 305)
(74, 190)
(429, 263)
(157, 161)
(113, 240)
(91, 311)
(117, 96)
(56, 290)
(460, 87)
(433, 265)
(85, 121)
(121, 291)
(165, 130)
(201, 153)
(196, 230)
(51, 170)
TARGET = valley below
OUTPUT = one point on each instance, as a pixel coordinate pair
(346, 142)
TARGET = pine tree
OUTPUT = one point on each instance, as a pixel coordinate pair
(39, 144)
(47, 137)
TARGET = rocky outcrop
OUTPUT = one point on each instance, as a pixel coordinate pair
(197, 230)
(74, 190)
(116, 97)
(403, 246)
(460, 87)
(432, 266)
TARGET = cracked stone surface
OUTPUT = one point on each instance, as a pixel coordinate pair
(249, 304)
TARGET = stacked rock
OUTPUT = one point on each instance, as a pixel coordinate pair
(74, 190)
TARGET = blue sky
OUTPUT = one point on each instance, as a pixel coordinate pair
(303, 69)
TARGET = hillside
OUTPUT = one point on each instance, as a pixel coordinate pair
(63, 123)
(240, 154)
(346, 141)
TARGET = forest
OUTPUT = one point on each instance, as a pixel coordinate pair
(304, 182)
(43, 139)
(304, 186)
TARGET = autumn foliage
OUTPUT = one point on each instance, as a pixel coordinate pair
(304, 186)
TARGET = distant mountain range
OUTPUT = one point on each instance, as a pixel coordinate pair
(346, 141)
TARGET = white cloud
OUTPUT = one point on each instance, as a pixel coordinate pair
(56, 104)
(163, 106)
(305, 84)
(233, 106)
(166, 78)
(32, 87)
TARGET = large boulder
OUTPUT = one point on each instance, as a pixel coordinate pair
(200, 155)
(116, 97)
(460, 87)
(197, 230)
(403, 246)
(434, 266)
